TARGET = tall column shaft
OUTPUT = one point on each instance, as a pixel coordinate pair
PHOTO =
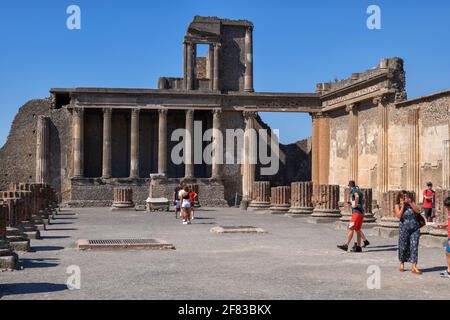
(216, 81)
(248, 78)
(189, 146)
(315, 149)
(324, 149)
(210, 67)
(162, 142)
(413, 156)
(446, 165)
(107, 151)
(78, 142)
(185, 65)
(249, 163)
(134, 147)
(217, 148)
(189, 66)
(42, 149)
(383, 148)
(353, 142)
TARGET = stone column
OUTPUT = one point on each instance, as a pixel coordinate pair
(210, 67)
(42, 149)
(189, 146)
(217, 148)
(248, 78)
(383, 147)
(249, 162)
(123, 198)
(369, 217)
(413, 165)
(78, 142)
(446, 165)
(8, 258)
(162, 142)
(189, 66)
(216, 76)
(324, 149)
(388, 218)
(326, 203)
(353, 142)
(185, 70)
(107, 151)
(260, 196)
(280, 200)
(134, 147)
(301, 198)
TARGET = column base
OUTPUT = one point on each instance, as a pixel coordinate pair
(325, 216)
(279, 209)
(258, 206)
(305, 211)
(389, 223)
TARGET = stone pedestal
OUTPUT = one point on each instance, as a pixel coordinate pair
(15, 236)
(326, 204)
(8, 259)
(301, 198)
(280, 200)
(260, 196)
(157, 200)
(123, 199)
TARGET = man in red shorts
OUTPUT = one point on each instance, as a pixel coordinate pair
(356, 221)
(429, 201)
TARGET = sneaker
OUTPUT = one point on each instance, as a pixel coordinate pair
(356, 248)
(343, 247)
(445, 274)
(366, 243)
(188, 222)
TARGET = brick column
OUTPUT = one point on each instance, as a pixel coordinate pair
(413, 165)
(78, 142)
(42, 149)
(210, 67)
(301, 198)
(383, 147)
(134, 148)
(249, 163)
(107, 151)
(260, 196)
(248, 78)
(162, 142)
(353, 142)
(189, 146)
(326, 203)
(280, 199)
(446, 165)
(189, 66)
(216, 76)
(320, 148)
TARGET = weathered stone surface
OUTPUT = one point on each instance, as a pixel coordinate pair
(280, 199)
(123, 198)
(260, 196)
(301, 198)
(326, 202)
(237, 229)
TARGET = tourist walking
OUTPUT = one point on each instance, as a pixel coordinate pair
(356, 221)
(407, 212)
(176, 199)
(429, 199)
(446, 273)
(185, 205)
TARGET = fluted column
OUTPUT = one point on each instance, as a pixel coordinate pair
(123, 198)
(280, 199)
(217, 147)
(326, 202)
(162, 142)
(216, 78)
(301, 198)
(189, 146)
(260, 196)
(249, 162)
(320, 148)
(383, 147)
(107, 151)
(248, 78)
(413, 166)
(189, 66)
(42, 149)
(78, 142)
(134, 148)
(353, 142)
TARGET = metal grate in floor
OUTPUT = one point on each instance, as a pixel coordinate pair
(124, 244)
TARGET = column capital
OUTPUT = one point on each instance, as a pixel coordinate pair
(217, 45)
(249, 28)
(381, 99)
(250, 114)
(107, 111)
(135, 111)
(190, 112)
(352, 107)
(216, 112)
(78, 111)
(319, 115)
(163, 111)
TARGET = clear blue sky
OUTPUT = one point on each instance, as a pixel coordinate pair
(296, 44)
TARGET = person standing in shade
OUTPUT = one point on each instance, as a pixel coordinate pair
(406, 211)
(429, 197)
(356, 221)
(446, 273)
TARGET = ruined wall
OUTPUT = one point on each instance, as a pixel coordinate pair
(339, 150)
(367, 145)
(232, 67)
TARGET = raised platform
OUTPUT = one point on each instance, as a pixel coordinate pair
(237, 229)
(124, 244)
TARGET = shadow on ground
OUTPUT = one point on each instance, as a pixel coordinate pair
(30, 288)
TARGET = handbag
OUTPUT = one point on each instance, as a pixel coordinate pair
(420, 219)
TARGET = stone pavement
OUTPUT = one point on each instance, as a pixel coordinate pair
(294, 260)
